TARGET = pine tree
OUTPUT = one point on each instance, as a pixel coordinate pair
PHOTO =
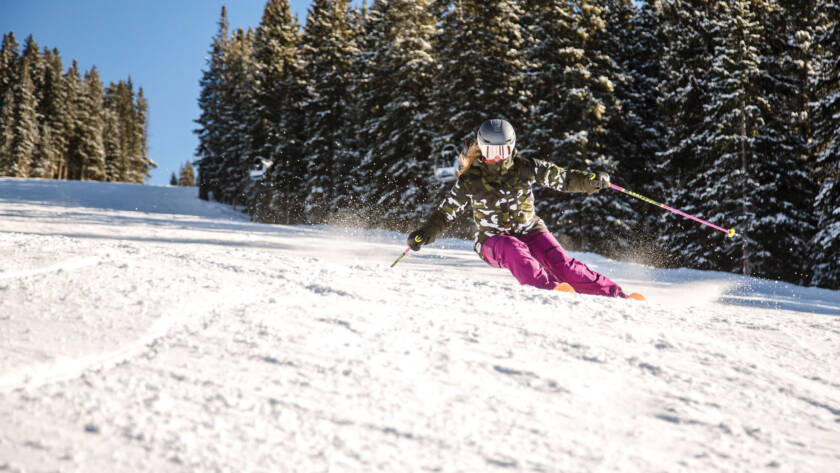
(25, 136)
(328, 52)
(9, 58)
(126, 137)
(55, 119)
(32, 56)
(715, 111)
(682, 93)
(38, 147)
(70, 167)
(111, 140)
(140, 162)
(44, 156)
(573, 80)
(7, 120)
(825, 245)
(211, 122)
(347, 201)
(633, 39)
(90, 126)
(116, 108)
(237, 152)
(173, 181)
(483, 66)
(279, 91)
(736, 151)
(186, 176)
(397, 130)
(782, 201)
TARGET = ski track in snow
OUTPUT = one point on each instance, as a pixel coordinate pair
(145, 330)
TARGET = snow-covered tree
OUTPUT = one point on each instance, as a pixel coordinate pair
(7, 119)
(238, 156)
(212, 122)
(112, 143)
(279, 92)
(24, 126)
(9, 57)
(141, 163)
(35, 62)
(397, 128)
(347, 201)
(46, 155)
(53, 109)
(186, 175)
(328, 50)
(89, 148)
(633, 39)
(576, 116)
(714, 110)
(70, 167)
(119, 114)
(482, 67)
(825, 245)
(783, 221)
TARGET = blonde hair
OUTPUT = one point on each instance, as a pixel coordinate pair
(466, 159)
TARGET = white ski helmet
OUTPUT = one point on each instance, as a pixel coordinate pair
(496, 139)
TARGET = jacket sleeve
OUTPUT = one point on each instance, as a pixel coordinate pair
(440, 219)
(564, 180)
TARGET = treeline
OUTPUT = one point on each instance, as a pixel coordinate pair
(725, 109)
(57, 124)
(185, 176)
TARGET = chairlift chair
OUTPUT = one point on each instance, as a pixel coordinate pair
(444, 172)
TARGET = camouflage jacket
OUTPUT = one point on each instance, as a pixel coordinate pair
(502, 199)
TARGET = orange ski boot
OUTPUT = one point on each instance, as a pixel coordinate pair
(565, 287)
(636, 297)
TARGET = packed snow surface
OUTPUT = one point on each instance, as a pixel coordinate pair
(144, 330)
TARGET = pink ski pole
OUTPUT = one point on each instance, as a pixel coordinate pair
(418, 240)
(401, 257)
(730, 233)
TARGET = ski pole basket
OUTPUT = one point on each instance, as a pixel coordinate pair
(446, 164)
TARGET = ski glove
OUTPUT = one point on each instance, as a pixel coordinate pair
(416, 239)
(596, 182)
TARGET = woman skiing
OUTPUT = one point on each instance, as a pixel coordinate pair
(509, 234)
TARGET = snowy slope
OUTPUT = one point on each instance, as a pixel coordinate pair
(144, 330)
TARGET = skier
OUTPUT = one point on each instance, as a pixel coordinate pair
(498, 185)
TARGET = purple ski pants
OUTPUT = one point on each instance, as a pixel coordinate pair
(538, 260)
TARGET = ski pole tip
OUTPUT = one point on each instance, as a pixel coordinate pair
(731, 232)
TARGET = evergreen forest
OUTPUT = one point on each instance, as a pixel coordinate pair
(725, 109)
(57, 124)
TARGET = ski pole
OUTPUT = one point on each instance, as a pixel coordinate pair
(418, 239)
(730, 233)
(401, 257)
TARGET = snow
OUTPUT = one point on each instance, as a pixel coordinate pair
(142, 329)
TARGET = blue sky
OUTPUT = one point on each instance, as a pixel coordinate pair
(161, 45)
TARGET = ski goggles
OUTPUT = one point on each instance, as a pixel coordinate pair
(495, 153)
